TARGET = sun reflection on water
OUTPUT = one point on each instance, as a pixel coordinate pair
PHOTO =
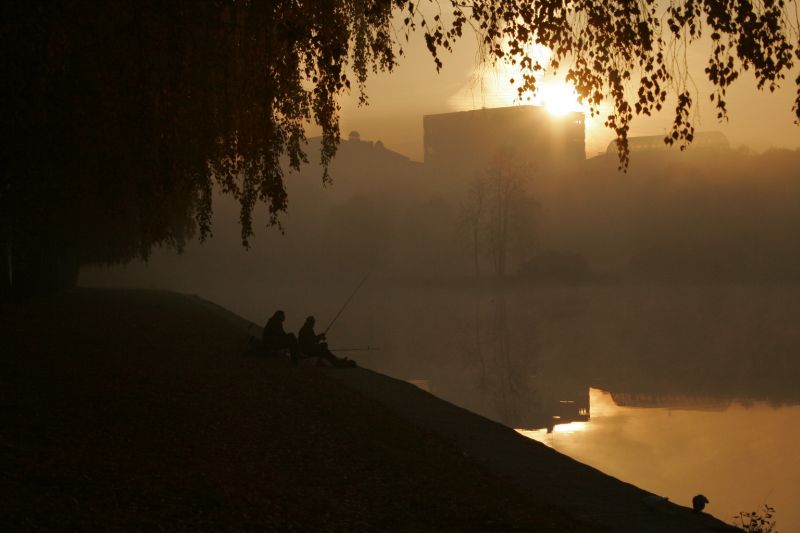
(541, 434)
(680, 446)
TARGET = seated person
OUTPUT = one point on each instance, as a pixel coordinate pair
(275, 339)
(312, 345)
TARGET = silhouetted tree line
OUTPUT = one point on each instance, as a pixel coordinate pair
(683, 216)
(700, 216)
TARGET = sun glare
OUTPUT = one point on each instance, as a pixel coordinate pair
(559, 98)
(499, 89)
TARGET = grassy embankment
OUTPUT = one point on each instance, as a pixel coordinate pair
(142, 410)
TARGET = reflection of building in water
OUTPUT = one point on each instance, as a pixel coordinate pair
(558, 403)
(576, 410)
(651, 143)
(684, 402)
(467, 140)
(554, 406)
(505, 379)
(562, 404)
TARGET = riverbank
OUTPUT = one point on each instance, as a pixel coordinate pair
(140, 410)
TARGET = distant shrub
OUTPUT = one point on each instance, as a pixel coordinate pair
(757, 521)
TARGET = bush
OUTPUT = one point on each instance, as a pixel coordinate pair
(757, 521)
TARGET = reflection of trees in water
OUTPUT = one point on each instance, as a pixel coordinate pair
(505, 363)
(483, 378)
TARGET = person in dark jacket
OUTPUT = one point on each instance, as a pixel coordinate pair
(275, 339)
(313, 345)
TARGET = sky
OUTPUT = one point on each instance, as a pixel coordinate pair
(397, 102)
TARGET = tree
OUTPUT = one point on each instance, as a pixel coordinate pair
(499, 214)
(510, 221)
(122, 117)
(471, 217)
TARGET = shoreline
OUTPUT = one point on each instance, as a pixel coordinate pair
(546, 473)
(139, 410)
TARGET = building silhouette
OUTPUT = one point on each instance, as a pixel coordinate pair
(466, 141)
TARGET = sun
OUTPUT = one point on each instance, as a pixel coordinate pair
(499, 86)
(559, 98)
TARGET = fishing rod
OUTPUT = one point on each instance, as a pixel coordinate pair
(367, 349)
(345, 304)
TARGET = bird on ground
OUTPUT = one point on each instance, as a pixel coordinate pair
(699, 502)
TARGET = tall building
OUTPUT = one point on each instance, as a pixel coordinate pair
(467, 140)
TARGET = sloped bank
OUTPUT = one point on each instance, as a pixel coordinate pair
(137, 410)
(551, 477)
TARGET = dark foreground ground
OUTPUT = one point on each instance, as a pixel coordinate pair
(136, 410)
(140, 411)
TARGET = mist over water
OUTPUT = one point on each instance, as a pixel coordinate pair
(675, 287)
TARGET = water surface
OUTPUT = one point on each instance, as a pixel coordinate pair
(739, 456)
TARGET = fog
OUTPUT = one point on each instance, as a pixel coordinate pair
(706, 215)
(674, 285)
(675, 277)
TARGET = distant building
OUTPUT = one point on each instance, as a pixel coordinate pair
(652, 143)
(467, 140)
(559, 403)
(356, 150)
(363, 167)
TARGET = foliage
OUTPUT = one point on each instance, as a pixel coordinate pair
(140, 109)
(615, 47)
(122, 118)
(757, 521)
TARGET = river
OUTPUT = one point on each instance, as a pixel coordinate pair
(739, 456)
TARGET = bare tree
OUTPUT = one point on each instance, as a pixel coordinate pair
(473, 213)
(510, 218)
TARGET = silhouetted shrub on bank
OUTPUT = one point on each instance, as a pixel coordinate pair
(757, 521)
